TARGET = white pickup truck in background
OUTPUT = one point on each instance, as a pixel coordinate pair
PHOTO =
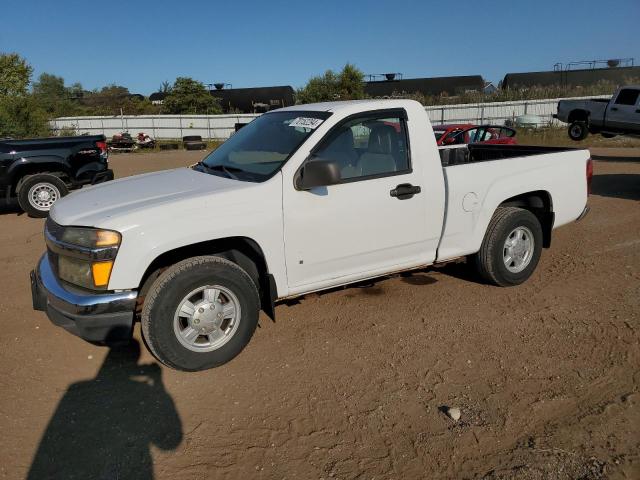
(301, 199)
(618, 115)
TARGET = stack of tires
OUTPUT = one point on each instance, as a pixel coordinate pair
(193, 142)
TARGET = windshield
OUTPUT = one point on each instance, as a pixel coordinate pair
(259, 149)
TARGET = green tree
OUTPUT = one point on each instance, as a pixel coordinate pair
(190, 96)
(110, 99)
(76, 92)
(55, 98)
(347, 84)
(50, 86)
(20, 113)
(165, 87)
(21, 116)
(15, 74)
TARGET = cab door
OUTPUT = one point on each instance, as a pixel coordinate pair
(623, 114)
(374, 220)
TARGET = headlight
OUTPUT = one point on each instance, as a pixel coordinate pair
(84, 255)
(90, 237)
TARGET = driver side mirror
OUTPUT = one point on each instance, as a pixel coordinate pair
(317, 173)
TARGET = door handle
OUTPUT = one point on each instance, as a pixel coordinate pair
(405, 191)
(615, 109)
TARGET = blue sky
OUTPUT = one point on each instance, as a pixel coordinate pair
(261, 43)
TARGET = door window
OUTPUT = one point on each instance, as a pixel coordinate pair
(627, 96)
(367, 146)
(480, 134)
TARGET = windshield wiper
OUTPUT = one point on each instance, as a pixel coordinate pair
(224, 168)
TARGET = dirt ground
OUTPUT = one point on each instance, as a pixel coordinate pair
(351, 384)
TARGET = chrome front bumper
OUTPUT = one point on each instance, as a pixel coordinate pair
(95, 317)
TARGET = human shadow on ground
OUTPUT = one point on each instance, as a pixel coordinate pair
(103, 428)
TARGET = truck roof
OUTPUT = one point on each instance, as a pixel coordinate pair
(369, 104)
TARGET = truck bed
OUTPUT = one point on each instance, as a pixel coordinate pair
(35, 144)
(476, 185)
(473, 153)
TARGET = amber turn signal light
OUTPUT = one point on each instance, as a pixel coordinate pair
(101, 272)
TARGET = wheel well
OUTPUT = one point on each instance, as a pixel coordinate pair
(26, 170)
(578, 116)
(540, 204)
(243, 251)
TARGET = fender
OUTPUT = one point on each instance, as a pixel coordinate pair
(27, 165)
(493, 200)
(243, 251)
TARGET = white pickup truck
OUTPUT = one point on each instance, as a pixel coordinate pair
(301, 199)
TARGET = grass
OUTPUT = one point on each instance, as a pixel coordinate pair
(558, 137)
(530, 93)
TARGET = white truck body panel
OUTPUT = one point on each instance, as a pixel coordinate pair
(161, 211)
(328, 236)
(474, 191)
(347, 232)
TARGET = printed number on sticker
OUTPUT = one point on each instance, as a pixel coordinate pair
(305, 122)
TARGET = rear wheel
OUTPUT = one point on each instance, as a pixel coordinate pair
(200, 313)
(578, 131)
(37, 193)
(511, 247)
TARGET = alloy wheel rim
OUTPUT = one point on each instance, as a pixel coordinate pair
(207, 318)
(518, 248)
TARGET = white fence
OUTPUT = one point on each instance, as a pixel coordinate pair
(220, 127)
(498, 113)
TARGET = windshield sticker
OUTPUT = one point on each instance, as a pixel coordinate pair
(306, 122)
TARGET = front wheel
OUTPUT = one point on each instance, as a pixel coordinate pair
(200, 313)
(37, 193)
(511, 247)
(578, 131)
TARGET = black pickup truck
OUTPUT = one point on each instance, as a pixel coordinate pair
(40, 171)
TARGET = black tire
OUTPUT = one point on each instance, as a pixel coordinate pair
(192, 138)
(170, 289)
(490, 260)
(35, 206)
(578, 131)
(169, 146)
(195, 146)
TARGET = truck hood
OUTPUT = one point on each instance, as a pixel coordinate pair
(107, 205)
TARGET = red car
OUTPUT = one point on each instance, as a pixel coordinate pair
(462, 134)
